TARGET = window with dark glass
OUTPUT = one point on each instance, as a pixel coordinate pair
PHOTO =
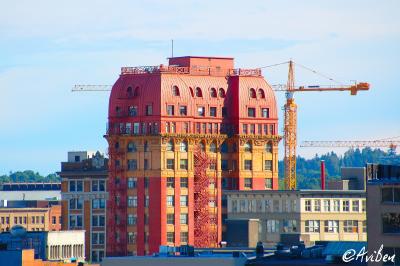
(248, 165)
(170, 164)
(268, 165)
(391, 223)
(149, 109)
(184, 182)
(248, 183)
(170, 218)
(170, 110)
(224, 165)
(224, 147)
(133, 111)
(268, 183)
(251, 112)
(183, 110)
(213, 111)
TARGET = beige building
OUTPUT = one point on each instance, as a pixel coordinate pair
(383, 193)
(64, 245)
(312, 215)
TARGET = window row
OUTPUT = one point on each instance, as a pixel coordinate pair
(183, 218)
(184, 236)
(264, 112)
(171, 182)
(96, 185)
(23, 220)
(262, 129)
(334, 205)
(183, 200)
(260, 206)
(332, 226)
(390, 195)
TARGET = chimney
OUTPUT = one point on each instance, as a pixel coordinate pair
(322, 175)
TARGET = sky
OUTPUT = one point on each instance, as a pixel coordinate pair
(46, 47)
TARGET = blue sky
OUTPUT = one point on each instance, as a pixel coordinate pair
(48, 46)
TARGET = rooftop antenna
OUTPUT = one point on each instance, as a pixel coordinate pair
(172, 48)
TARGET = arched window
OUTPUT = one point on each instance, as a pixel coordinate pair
(202, 146)
(261, 94)
(198, 92)
(184, 146)
(268, 147)
(213, 93)
(175, 91)
(129, 91)
(170, 145)
(224, 147)
(213, 147)
(253, 93)
(131, 147)
(136, 93)
(221, 93)
(247, 147)
(191, 91)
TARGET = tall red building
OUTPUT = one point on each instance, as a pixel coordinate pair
(178, 135)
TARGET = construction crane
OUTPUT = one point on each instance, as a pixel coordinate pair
(290, 118)
(290, 108)
(390, 143)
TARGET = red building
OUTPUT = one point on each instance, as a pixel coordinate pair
(178, 135)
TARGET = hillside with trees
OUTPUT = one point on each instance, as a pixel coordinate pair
(308, 170)
(29, 176)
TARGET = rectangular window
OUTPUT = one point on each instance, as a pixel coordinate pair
(184, 237)
(289, 226)
(184, 182)
(132, 164)
(346, 206)
(170, 218)
(146, 164)
(234, 165)
(252, 129)
(307, 205)
(312, 226)
(131, 237)
(355, 206)
(224, 165)
(268, 183)
(331, 226)
(183, 164)
(213, 111)
(271, 129)
(184, 218)
(245, 129)
(184, 201)
(171, 237)
(268, 165)
(170, 182)
(149, 109)
(350, 226)
(136, 128)
(327, 205)
(201, 111)
(265, 112)
(391, 223)
(265, 129)
(251, 112)
(132, 219)
(132, 201)
(133, 110)
(183, 110)
(170, 164)
(170, 110)
(317, 205)
(336, 205)
(132, 181)
(273, 226)
(248, 183)
(364, 205)
(248, 165)
(170, 201)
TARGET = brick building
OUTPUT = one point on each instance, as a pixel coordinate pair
(178, 135)
(84, 195)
